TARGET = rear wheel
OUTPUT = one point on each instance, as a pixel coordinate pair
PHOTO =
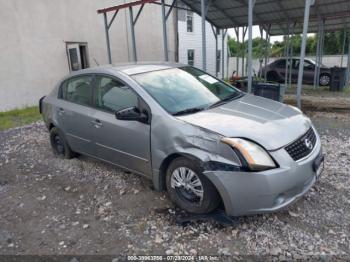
(59, 145)
(189, 189)
(325, 79)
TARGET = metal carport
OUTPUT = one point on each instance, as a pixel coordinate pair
(275, 16)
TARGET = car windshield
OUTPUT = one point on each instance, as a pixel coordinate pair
(185, 90)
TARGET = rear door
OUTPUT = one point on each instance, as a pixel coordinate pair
(122, 142)
(75, 111)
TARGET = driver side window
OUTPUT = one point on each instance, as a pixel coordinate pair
(112, 95)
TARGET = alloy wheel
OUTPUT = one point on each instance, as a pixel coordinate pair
(187, 185)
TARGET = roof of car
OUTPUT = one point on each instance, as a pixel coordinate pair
(134, 68)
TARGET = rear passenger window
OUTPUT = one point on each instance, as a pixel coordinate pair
(78, 90)
(112, 95)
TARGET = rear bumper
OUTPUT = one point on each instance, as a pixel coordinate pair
(246, 193)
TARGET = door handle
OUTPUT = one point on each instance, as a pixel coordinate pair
(97, 123)
(61, 111)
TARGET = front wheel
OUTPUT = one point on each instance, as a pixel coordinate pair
(324, 80)
(189, 189)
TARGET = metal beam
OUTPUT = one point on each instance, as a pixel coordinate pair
(107, 39)
(347, 76)
(250, 44)
(138, 14)
(237, 57)
(267, 43)
(223, 35)
(317, 51)
(204, 44)
(308, 4)
(215, 32)
(165, 34)
(291, 55)
(122, 6)
(170, 9)
(132, 30)
(287, 58)
(113, 17)
(343, 48)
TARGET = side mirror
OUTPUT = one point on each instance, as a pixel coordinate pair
(132, 114)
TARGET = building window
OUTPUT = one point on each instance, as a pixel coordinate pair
(77, 56)
(190, 57)
(189, 19)
(218, 60)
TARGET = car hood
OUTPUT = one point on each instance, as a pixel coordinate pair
(269, 123)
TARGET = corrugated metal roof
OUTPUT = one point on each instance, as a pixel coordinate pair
(234, 13)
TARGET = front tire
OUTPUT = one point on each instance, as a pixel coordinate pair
(189, 189)
(59, 144)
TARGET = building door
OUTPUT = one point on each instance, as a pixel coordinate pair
(77, 56)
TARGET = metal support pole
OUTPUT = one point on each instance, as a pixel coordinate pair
(244, 30)
(237, 55)
(267, 43)
(287, 57)
(165, 35)
(291, 56)
(107, 39)
(204, 46)
(132, 29)
(343, 48)
(223, 34)
(347, 76)
(318, 65)
(250, 45)
(216, 52)
(308, 3)
(317, 50)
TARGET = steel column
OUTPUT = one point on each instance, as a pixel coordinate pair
(317, 50)
(291, 56)
(216, 52)
(287, 57)
(165, 35)
(204, 46)
(244, 30)
(237, 55)
(107, 39)
(308, 3)
(267, 43)
(132, 30)
(320, 54)
(223, 34)
(347, 76)
(343, 48)
(250, 45)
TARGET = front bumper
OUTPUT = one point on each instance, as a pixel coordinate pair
(245, 193)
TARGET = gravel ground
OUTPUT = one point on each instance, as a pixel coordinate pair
(83, 206)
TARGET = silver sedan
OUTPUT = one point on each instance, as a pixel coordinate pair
(197, 137)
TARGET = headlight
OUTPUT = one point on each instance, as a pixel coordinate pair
(257, 158)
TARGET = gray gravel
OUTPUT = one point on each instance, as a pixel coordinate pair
(83, 206)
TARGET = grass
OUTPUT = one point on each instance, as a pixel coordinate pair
(19, 117)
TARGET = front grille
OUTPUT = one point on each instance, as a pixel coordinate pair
(303, 146)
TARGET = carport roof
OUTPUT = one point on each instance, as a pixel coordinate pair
(234, 13)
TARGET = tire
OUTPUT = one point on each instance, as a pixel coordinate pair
(59, 144)
(325, 79)
(272, 76)
(185, 198)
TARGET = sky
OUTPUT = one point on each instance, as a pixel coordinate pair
(256, 33)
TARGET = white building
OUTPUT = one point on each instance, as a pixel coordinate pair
(41, 41)
(190, 43)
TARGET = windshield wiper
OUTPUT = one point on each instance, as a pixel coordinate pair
(188, 111)
(225, 100)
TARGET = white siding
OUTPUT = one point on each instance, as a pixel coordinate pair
(34, 35)
(193, 40)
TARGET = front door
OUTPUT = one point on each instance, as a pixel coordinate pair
(124, 143)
